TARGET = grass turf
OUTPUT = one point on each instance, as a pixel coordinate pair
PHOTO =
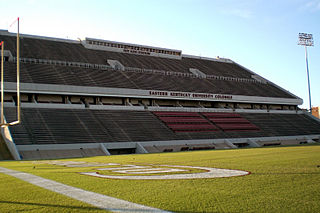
(282, 179)
(19, 196)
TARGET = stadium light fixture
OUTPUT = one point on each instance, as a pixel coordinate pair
(3, 123)
(306, 40)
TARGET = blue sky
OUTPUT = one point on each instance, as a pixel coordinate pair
(260, 35)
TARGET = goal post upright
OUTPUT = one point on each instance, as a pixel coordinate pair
(18, 78)
(2, 88)
(3, 122)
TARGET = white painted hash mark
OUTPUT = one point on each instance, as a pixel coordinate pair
(98, 200)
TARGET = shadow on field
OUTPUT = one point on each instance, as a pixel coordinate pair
(39, 205)
(50, 205)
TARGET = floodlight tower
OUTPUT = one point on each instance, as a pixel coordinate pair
(306, 40)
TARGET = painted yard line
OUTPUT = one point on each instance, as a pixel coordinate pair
(98, 200)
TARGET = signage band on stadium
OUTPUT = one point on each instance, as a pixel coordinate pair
(189, 95)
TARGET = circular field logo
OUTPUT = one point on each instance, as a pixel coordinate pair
(151, 171)
(161, 172)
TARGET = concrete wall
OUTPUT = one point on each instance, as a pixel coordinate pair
(47, 151)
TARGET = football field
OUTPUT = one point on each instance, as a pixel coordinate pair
(281, 179)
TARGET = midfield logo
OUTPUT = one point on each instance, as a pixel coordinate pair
(151, 171)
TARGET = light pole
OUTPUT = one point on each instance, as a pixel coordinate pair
(306, 40)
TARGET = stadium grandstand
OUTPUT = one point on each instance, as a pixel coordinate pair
(96, 97)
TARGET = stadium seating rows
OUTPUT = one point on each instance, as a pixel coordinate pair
(185, 121)
(76, 52)
(50, 126)
(192, 121)
(230, 121)
(55, 74)
(67, 124)
(65, 51)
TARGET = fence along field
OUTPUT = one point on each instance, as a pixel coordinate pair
(282, 179)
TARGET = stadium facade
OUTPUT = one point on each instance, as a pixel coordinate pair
(97, 97)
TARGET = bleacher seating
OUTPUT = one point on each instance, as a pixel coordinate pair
(191, 121)
(76, 52)
(194, 127)
(230, 121)
(75, 126)
(185, 121)
(55, 74)
(80, 117)
(50, 126)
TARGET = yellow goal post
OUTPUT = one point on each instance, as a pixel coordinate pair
(3, 122)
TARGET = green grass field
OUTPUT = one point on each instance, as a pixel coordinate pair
(282, 179)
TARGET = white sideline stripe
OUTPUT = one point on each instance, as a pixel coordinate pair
(95, 199)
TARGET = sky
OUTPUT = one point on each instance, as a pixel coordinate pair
(260, 35)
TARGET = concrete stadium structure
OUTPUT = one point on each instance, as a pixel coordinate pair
(96, 97)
